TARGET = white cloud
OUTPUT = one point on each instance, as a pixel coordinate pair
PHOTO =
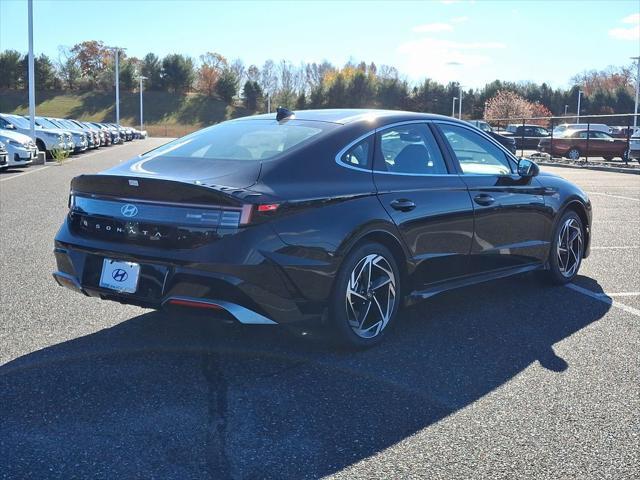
(443, 59)
(627, 33)
(459, 19)
(433, 27)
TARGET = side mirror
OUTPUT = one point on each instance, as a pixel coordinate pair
(10, 126)
(527, 168)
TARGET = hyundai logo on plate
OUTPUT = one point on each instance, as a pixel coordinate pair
(119, 275)
(129, 210)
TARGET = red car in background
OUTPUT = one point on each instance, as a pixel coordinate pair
(575, 144)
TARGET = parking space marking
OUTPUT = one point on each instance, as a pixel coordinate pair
(617, 247)
(614, 196)
(25, 173)
(623, 294)
(604, 298)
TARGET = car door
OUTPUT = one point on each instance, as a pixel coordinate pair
(429, 204)
(512, 224)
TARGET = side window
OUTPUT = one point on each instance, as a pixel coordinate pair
(476, 155)
(582, 135)
(359, 155)
(409, 149)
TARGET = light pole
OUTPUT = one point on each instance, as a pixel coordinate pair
(141, 78)
(635, 110)
(32, 85)
(460, 103)
(453, 107)
(116, 51)
(566, 107)
(580, 92)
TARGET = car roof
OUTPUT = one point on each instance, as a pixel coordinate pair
(350, 115)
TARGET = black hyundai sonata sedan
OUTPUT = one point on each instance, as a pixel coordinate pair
(337, 217)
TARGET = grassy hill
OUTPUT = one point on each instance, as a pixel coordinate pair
(165, 114)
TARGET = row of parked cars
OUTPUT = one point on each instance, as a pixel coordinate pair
(571, 140)
(17, 148)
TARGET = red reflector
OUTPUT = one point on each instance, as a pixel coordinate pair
(268, 207)
(194, 304)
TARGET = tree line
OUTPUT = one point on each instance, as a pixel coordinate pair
(89, 66)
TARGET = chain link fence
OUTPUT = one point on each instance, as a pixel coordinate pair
(578, 138)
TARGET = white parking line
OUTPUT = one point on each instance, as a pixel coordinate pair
(623, 294)
(614, 196)
(604, 298)
(617, 247)
(31, 170)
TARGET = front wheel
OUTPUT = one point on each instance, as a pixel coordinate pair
(365, 297)
(567, 249)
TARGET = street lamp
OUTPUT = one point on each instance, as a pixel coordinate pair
(566, 107)
(580, 92)
(453, 107)
(635, 110)
(460, 103)
(141, 78)
(32, 81)
(116, 51)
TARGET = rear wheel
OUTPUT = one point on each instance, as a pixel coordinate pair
(573, 153)
(567, 249)
(365, 297)
(608, 159)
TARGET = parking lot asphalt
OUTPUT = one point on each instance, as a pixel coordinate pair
(511, 379)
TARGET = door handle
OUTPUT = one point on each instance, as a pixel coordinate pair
(484, 199)
(403, 205)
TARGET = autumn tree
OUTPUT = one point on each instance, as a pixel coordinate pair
(92, 58)
(211, 69)
(507, 105)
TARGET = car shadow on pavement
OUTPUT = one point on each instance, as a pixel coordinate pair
(189, 398)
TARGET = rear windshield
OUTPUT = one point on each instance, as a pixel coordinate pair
(242, 140)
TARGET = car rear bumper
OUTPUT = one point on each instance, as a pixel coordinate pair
(236, 275)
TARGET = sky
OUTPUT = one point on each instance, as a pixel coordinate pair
(470, 41)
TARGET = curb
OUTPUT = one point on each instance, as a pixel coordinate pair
(634, 171)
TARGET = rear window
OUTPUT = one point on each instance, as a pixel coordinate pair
(242, 140)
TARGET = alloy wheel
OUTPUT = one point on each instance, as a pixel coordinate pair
(569, 247)
(370, 296)
(574, 154)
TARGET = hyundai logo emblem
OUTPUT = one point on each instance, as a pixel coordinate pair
(119, 275)
(129, 210)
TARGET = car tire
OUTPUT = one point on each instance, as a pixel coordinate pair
(574, 154)
(567, 249)
(365, 297)
(608, 159)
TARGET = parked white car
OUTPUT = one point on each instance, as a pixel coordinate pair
(565, 128)
(47, 140)
(78, 139)
(20, 148)
(3, 157)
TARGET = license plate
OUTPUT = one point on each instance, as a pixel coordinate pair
(120, 276)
